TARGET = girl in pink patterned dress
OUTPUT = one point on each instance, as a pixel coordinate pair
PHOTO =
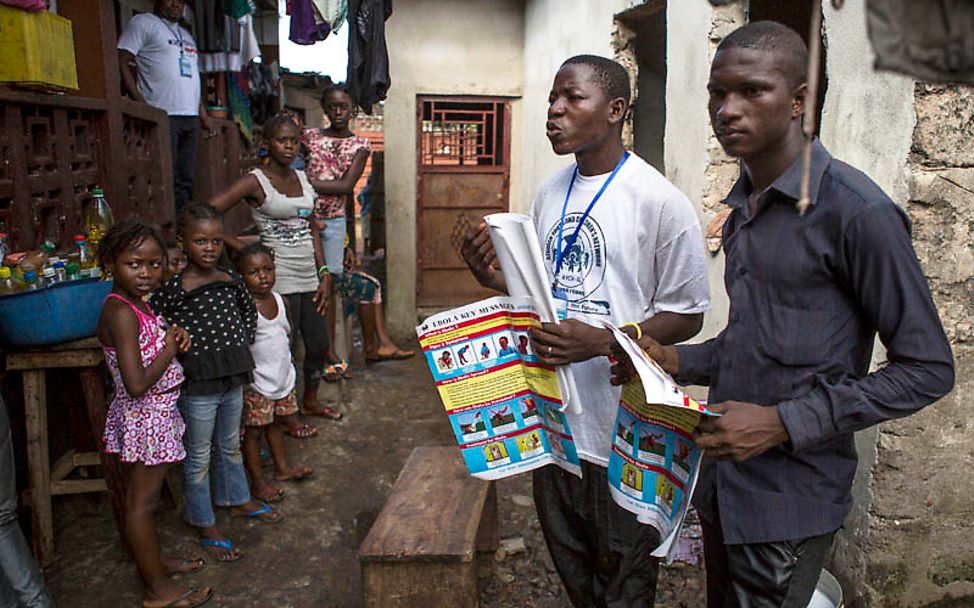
(143, 425)
(336, 160)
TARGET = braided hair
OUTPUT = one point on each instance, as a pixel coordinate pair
(196, 212)
(125, 235)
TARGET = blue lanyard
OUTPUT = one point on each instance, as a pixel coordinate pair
(560, 253)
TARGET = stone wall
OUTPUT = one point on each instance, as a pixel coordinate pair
(918, 550)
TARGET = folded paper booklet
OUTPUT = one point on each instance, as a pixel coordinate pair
(519, 254)
(653, 463)
(505, 406)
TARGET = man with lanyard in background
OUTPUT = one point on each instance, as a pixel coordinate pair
(623, 245)
(167, 78)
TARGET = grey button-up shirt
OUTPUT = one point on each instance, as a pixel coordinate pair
(807, 297)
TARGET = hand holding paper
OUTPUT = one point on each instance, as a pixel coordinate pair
(569, 341)
(519, 254)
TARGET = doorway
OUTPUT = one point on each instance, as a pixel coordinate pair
(463, 167)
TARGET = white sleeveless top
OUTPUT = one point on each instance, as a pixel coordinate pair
(274, 374)
(282, 228)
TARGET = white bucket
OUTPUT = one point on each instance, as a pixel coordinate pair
(828, 592)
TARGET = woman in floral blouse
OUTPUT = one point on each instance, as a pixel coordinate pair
(336, 159)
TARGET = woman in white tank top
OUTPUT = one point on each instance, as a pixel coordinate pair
(281, 201)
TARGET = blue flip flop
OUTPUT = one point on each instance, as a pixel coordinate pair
(265, 514)
(223, 543)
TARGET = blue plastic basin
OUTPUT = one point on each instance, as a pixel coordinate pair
(66, 311)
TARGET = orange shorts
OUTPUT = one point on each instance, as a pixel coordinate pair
(258, 410)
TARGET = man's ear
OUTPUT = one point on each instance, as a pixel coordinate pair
(617, 110)
(798, 100)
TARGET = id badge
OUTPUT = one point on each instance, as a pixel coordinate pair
(561, 302)
(185, 67)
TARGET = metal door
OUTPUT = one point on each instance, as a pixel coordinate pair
(463, 166)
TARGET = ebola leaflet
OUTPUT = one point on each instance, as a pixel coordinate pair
(505, 407)
(653, 463)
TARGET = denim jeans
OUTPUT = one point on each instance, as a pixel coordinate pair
(333, 243)
(212, 421)
(21, 583)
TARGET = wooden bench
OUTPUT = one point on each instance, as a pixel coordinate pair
(420, 551)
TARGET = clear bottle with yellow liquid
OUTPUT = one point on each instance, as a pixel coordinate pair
(98, 219)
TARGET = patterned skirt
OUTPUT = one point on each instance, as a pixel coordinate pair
(147, 430)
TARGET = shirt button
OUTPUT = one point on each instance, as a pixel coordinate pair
(742, 272)
(727, 363)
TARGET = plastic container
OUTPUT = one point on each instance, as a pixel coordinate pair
(37, 48)
(828, 592)
(65, 311)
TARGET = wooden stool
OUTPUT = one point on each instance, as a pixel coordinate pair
(46, 480)
(420, 551)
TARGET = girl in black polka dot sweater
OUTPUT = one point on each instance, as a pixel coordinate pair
(214, 306)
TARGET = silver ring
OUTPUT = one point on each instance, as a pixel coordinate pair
(549, 351)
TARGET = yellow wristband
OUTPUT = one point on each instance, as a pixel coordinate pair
(639, 330)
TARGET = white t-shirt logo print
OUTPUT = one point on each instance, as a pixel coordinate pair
(583, 266)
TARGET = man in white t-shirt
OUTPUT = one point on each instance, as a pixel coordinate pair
(168, 78)
(622, 245)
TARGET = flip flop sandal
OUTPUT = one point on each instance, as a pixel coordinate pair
(176, 603)
(302, 431)
(396, 356)
(275, 497)
(197, 564)
(265, 514)
(231, 555)
(335, 371)
(297, 474)
(324, 411)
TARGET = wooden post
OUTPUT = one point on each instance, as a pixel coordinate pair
(38, 464)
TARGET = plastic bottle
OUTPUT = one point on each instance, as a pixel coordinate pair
(85, 261)
(50, 277)
(4, 246)
(32, 280)
(60, 271)
(7, 284)
(73, 271)
(98, 219)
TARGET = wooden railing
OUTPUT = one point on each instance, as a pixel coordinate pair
(54, 149)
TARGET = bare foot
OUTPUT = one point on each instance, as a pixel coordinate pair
(294, 474)
(268, 492)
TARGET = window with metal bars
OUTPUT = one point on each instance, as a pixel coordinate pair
(462, 133)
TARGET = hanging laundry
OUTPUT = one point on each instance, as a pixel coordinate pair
(234, 60)
(240, 105)
(304, 29)
(332, 12)
(209, 26)
(931, 40)
(239, 8)
(368, 57)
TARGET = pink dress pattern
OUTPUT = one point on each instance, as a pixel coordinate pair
(149, 428)
(328, 159)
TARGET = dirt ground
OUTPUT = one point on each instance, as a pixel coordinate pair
(309, 560)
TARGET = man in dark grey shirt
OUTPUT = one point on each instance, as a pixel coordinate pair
(790, 372)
